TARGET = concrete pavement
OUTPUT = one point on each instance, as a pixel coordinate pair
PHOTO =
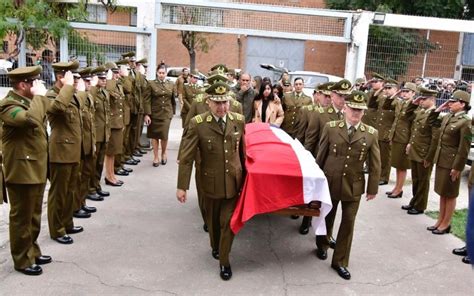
(143, 242)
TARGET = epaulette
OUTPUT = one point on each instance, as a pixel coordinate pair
(310, 108)
(332, 124)
(465, 116)
(198, 118)
(209, 118)
(362, 128)
(236, 103)
(239, 117)
(330, 110)
(371, 130)
(321, 110)
(199, 98)
(230, 116)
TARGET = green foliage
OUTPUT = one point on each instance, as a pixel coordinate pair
(82, 46)
(458, 222)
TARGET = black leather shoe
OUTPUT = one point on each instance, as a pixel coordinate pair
(81, 214)
(414, 212)
(94, 197)
(89, 209)
(122, 172)
(294, 217)
(75, 229)
(32, 270)
(396, 196)
(136, 160)
(156, 164)
(342, 272)
(321, 254)
(431, 228)
(388, 192)
(226, 273)
(103, 193)
(205, 228)
(215, 254)
(164, 161)
(466, 260)
(128, 170)
(43, 259)
(65, 240)
(407, 207)
(117, 184)
(136, 154)
(332, 243)
(304, 228)
(444, 231)
(141, 151)
(130, 162)
(383, 183)
(460, 251)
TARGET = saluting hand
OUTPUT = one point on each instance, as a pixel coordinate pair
(109, 75)
(68, 78)
(81, 86)
(181, 195)
(38, 88)
(94, 80)
(141, 69)
(443, 106)
(123, 71)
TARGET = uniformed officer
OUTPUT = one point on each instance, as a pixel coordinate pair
(3, 192)
(321, 98)
(292, 102)
(190, 91)
(182, 80)
(65, 144)
(115, 143)
(322, 116)
(25, 160)
(451, 155)
(384, 122)
(159, 106)
(218, 134)
(400, 133)
(421, 149)
(345, 146)
(376, 89)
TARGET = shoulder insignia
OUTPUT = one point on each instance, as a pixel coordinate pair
(332, 124)
(239, 117)
(15, 112)
(230, 116)
(465, 116)
(330, 110)
(235, 103)
(198, 118)
(321, 110)
(371, 130)
(362, 128)
(341, 124)
(310, 108)
(209, 118)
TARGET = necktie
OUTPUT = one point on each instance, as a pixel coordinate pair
(351, 132)
(340, 116)
(221, 123)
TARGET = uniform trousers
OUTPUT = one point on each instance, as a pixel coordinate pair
(385, 160)
(134, 132)
(200, 194)
(127, 152)
(98, 166)
(219, 212)
(26, 202)
(140, 124)
(342, 250)
(62, 194)
(421, 185)
(87, 168)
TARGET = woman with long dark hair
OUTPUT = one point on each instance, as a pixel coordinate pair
(266, 107)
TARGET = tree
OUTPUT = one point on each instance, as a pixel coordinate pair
(41, 21)
(383, 56)
(194, 41)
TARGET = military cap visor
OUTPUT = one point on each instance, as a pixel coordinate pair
(218, 92)
(142, 61)
(286, 83)
(424, 93)
(25, 74)
(342, 87)
(65, 66)
(377, 77)
(460, 95)
(357, 100)
(128, 54)
(409, 86)
(220, 67)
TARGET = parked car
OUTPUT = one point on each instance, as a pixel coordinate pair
(311, 79)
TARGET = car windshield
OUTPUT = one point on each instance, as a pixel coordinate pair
(310, 81)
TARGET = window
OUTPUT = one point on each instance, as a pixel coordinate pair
(97, 14)
(133, 18)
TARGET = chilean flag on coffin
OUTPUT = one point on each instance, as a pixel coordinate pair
(280, 174)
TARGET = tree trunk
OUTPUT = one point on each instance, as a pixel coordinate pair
(192, 60)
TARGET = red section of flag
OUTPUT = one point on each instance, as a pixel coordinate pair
(274, 179)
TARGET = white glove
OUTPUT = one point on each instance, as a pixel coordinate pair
(109, 75)
(94, 81)
(38, 88)
(80, 86)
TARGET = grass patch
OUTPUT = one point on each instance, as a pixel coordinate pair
(458, 223)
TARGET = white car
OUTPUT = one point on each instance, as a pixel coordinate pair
(311, 79)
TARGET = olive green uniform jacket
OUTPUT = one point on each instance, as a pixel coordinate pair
(291, 106)
(102, 113)
(317, 121)
(221, 152)
(424, 135)
(302, 122)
